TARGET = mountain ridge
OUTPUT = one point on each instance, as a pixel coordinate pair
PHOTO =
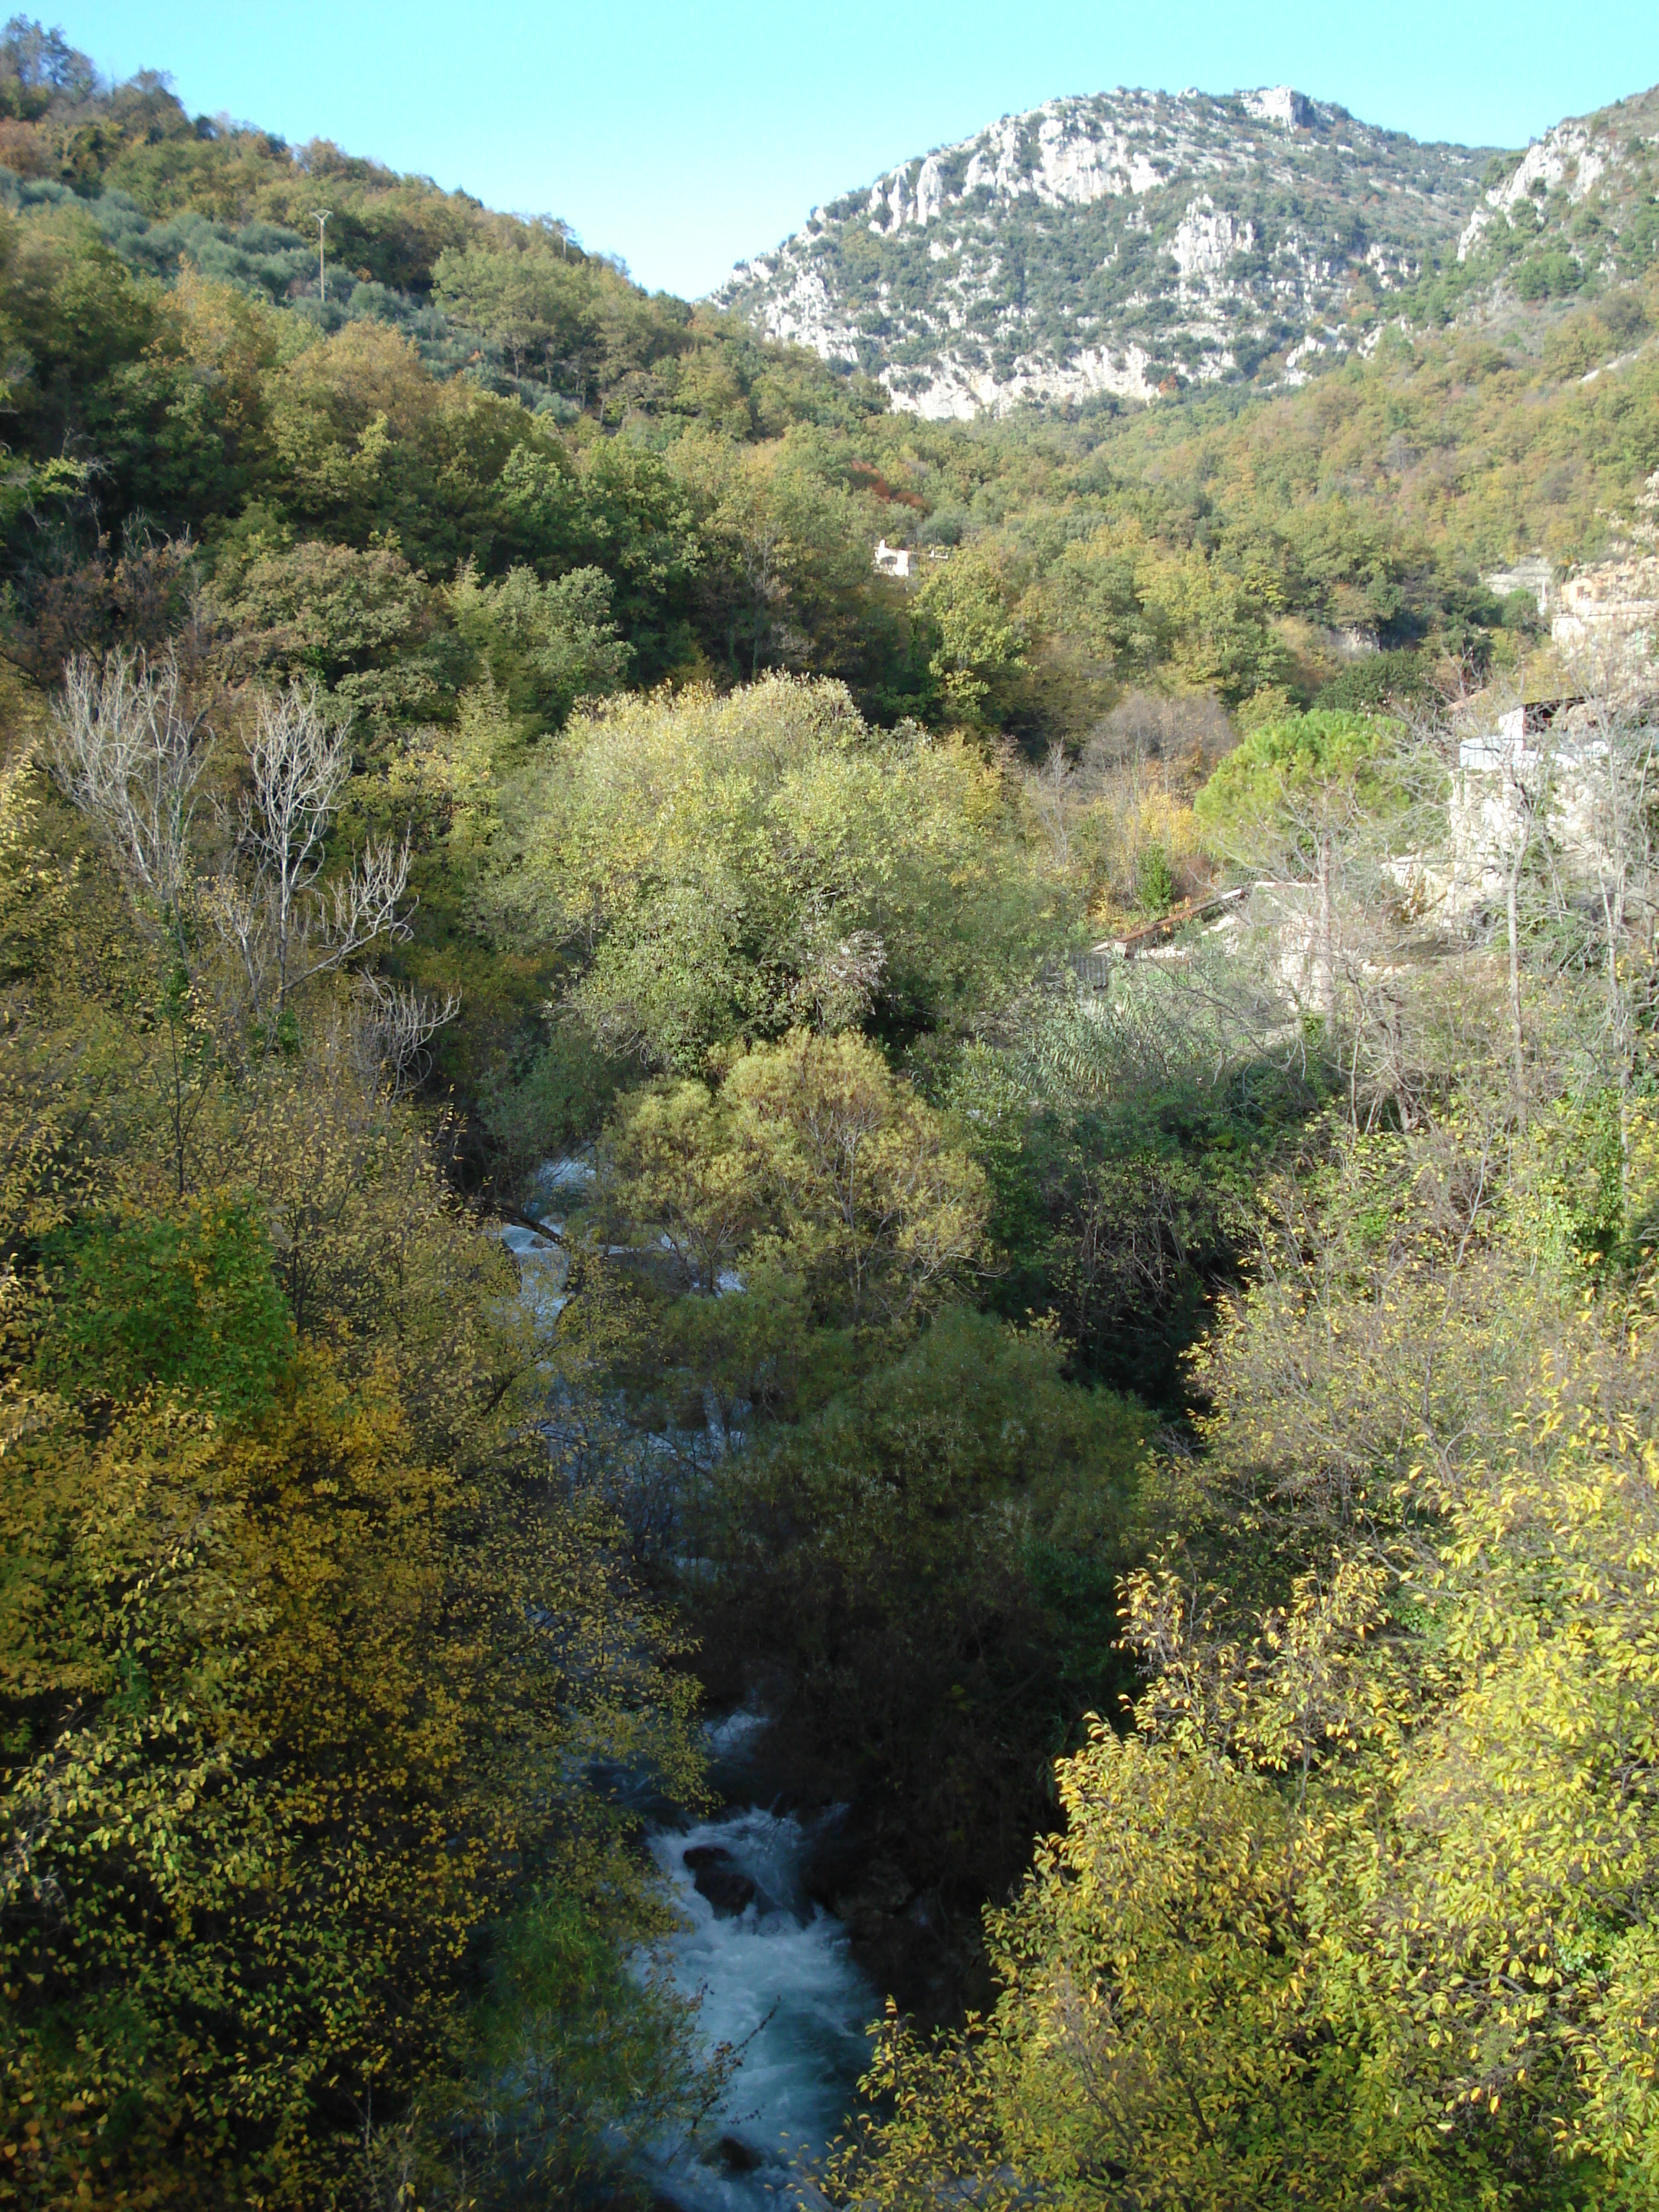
(1121, 244)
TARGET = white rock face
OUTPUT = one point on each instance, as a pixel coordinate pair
(957, 392)
(1279, 104)
(1610, 601)
(1316, 342)
(804, 314)
(1611, 608)
(1067, 166)
(1106, 245)
(1208, 239)
(1564, 157)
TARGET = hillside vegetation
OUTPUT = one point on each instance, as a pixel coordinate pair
(1118, 244)
(1135, 242)
(1165, 1439)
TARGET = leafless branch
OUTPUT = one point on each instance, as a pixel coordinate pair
(395, 1026)
(128, 750)
(285, 927)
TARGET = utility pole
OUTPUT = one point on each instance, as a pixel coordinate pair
(322, 265)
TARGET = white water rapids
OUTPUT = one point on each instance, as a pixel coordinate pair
(776, 1981)
(543, 1271)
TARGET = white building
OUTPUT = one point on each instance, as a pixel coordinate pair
(1541, 771)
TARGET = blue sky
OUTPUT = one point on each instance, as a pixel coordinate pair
(686, 137)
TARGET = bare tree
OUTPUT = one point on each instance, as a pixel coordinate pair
(1354, 917)
(299, 762)
(1608, 799)
(1526, 812)
(1050, 794)
(1560, 821)
(394, 1027)
(128, 750)
(286, 928)
(1604, 835)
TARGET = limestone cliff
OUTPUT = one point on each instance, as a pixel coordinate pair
(1131, 242)
(1113, 243)
(1578, 208)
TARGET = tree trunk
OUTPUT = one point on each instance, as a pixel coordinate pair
(1325, 955)
(1517, 1032)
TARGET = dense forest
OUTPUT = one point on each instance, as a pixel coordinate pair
(1019, 1173)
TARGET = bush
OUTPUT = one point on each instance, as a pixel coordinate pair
(1548, 276)
(1383, 679)
(1155, 882)
(186, 1303)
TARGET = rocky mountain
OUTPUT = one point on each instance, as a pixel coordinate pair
(1578, 208)
(1134, 241)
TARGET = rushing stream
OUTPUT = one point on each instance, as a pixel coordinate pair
(774, 1972)
(542, 1270)
(778, 1980)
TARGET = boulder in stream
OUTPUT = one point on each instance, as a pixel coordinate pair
(720, 1879)
(879, 1897)
(735, 2156)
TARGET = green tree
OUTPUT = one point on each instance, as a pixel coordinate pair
(730, 866)
(547, 644)
(980, 640)
(814, 1158)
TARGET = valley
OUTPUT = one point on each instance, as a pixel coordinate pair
(829, 1146)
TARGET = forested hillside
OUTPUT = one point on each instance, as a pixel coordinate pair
(719, 1265)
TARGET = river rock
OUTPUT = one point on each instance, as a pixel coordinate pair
(717, 1877)
(735, 2156)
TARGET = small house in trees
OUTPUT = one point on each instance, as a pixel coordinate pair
(893, 560)
(1535, 770)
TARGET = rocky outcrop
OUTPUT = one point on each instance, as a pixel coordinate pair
(960, 385)
(1116, 246)
(1606, 622)
(1607, 599)
(1566, 159)
(1123, 245)
(1577, 205)
(1279, 104)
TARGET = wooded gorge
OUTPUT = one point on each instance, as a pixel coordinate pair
(1030, 1188)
